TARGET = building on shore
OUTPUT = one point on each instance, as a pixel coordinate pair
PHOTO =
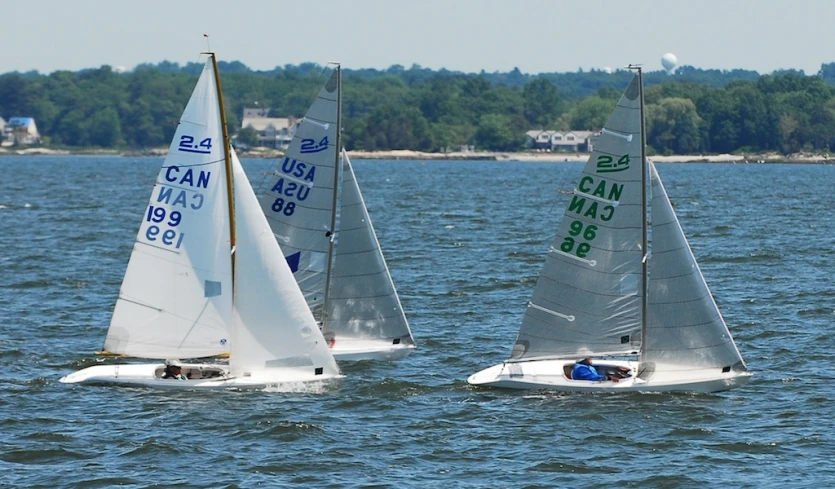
(567, 141)
(20, 130)
(273, 132)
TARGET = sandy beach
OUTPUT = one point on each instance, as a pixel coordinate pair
(405, 154)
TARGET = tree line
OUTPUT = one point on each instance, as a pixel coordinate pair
(695, 111)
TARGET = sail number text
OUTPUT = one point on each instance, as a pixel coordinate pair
(576, 231)
(596, 199)
(168, 237)
(293, 186)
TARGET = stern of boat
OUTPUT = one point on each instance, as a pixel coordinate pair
(354, 350)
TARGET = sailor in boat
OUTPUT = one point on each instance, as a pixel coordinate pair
(584, 370)
(173, 370)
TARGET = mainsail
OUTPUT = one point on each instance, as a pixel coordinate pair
(299, 198)
(176, 297)
(588, 297)
(363, 302)
(273, 323)
(685, 330)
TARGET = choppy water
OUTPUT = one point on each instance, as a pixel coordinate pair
(464, 241)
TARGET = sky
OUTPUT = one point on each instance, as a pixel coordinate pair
(461, 35)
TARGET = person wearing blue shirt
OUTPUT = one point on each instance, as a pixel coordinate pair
(583, 370)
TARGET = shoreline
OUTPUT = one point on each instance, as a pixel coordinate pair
(528, 156)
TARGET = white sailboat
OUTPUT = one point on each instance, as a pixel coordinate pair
(206, 277)
(601, 294)
(316, 210)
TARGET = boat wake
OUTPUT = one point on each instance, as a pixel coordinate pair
(317, 387)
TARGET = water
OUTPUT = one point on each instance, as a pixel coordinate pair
(464, 241)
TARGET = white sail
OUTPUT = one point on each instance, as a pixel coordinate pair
(176, 297)
(363, 303)
(273, 325)
(299, 198)
(588, 296)
(685, 329)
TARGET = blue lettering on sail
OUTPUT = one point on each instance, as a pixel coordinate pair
(291, 189)
(173, 174)
(310, 146)
(197, 201)
(180, 200)
(164, 194)
(299, 169)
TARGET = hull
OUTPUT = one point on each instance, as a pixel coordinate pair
(202, 376)
(551, 375)
(356, 350)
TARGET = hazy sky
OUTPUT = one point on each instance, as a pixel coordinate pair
(465, 35)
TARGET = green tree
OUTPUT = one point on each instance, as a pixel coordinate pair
(673, 126)
(542, 103)
(590, 114)
(105, 129)
(497, 133)
(247, 136)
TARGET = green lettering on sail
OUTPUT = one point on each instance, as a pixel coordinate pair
(576, 229)
(605, 164)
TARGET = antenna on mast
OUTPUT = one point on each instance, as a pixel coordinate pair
(208, 46)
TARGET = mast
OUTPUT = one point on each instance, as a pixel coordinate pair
(227, 150)
(336, 165)
(644, 244)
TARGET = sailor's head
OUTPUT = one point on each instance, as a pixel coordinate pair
(174, 365)
(585, 361)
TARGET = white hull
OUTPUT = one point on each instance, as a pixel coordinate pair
(355, 350)
(550, 375)
(203, 376)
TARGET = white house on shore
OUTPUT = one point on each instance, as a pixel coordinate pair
(20, 130)
(273, 132)
(570, 141)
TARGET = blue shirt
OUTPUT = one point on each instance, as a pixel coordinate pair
(585, 372)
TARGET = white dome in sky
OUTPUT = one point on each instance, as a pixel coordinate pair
(669, 62)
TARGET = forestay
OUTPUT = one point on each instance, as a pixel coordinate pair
(299, 201)
(363, 302)
(176, 297)
(685, 329)
(273, 325)
(588, 296)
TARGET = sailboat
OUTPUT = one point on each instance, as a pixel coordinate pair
(316, 211)
(647, 315)
(206, 277)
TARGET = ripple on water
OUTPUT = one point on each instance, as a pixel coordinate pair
(465, 264)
